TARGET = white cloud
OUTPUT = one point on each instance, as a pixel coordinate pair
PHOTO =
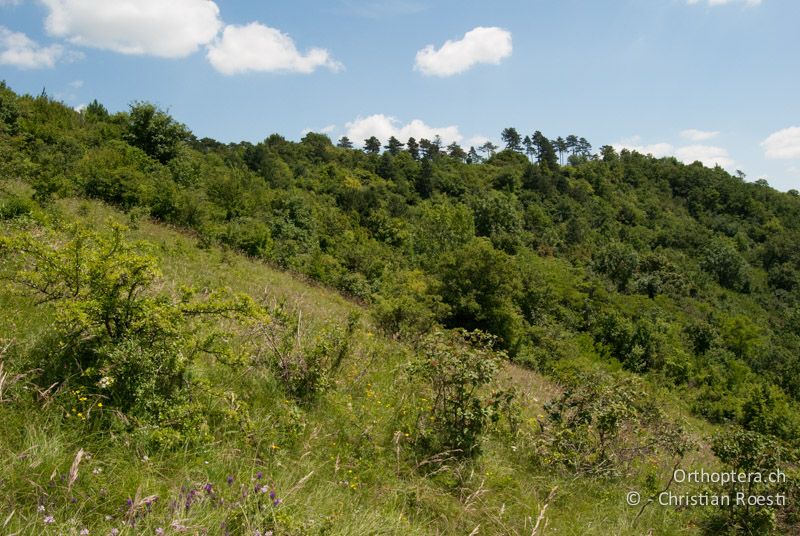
(383, 127)
(323, 130)
(481, 45)
(783, 143)
(707, 154)
(692, 134)
(477, 141)
(725, 2)
(19, 50)
(658, 150)
(169, 29)
(255, 47)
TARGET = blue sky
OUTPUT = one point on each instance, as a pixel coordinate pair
(715, 80)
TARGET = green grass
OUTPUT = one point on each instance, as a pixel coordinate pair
(340, 466)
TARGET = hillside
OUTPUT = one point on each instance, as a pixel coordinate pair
(296, 311)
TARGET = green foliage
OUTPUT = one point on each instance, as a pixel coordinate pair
(480, 284)
(602, 424)
(154, 131)
(115, 341)
(409, 303)
(749, 453)
(618, 261)
(9, 111)
(304, 365)
(458, 366)
(721, 260)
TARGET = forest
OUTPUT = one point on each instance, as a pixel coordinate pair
(441, 339)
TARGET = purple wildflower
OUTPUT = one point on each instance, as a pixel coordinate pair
(129, 502)
(276, 502)
(159, 531)
(208, 488)
(264, 489)
(73, 500)
(114, 532)
(259, 475)
(272, 495)
(230, 479)
(49, 520)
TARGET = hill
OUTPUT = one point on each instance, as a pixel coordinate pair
(633, 315)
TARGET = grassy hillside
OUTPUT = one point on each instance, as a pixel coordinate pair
(313, 339)
(338, 465)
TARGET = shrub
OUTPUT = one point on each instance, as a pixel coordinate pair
(304, 365)
(721, 260)
(115, 340)
(618, 261)
(748, 452)
(602, 424)
(408, 303)
(457, 365)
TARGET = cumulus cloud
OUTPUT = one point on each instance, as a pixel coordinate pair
(783, 143)
(19, 50)
(255, 47)
(383, 127)
(693, 134)
(172, 29)
(324, 130)
(659, 150)
(725, 2)
(707, 154)
(481, 45)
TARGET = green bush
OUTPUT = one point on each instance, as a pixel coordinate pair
(458, 366)
(748, 452)
(304, 365)
(602, 424)
(116, 342)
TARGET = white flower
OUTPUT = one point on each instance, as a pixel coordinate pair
(106, 382)
(40, 509)
(49, 520)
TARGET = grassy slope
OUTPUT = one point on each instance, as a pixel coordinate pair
(334, 465)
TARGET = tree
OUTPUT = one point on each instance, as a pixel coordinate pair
(512, 139)
(530, 149)
(572, 143)
(480, 284)
(345, 143)
(430, 149)
(721, 260)
(394, 146)
(455, 151)
(372, 145)
(545, 153)
(413, 148)
(473, 157)
(155, 132)
(95, 111)
(561, 146)
(488, 149)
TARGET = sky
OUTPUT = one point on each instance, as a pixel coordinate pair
(710, 80)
